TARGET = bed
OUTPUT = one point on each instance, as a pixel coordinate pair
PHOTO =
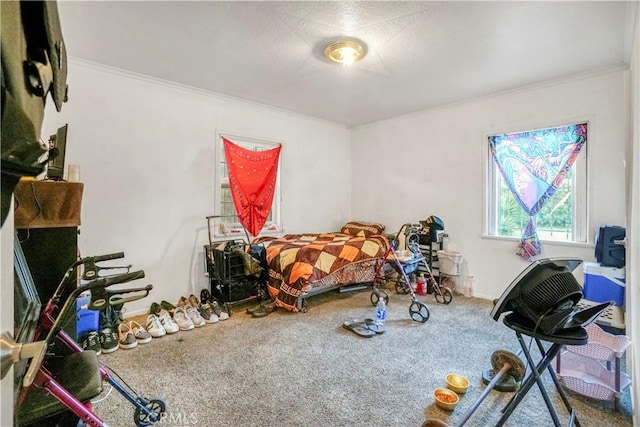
(302, 265)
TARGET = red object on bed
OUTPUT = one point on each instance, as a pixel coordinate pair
(302, 264)
(252, 180)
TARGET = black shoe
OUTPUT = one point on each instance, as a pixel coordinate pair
(92, 342)
(108, 340)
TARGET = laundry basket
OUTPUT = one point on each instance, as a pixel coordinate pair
(450, 262)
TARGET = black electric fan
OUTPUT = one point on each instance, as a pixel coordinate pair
(545, 295)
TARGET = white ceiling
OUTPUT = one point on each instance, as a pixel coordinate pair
(422, 54)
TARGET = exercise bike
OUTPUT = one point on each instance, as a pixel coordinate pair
(53, 385)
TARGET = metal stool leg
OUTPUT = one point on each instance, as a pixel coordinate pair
(534, 378)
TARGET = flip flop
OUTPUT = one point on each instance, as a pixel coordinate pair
(261, 306)
(359, 328)
(263, 311)
(373, 326)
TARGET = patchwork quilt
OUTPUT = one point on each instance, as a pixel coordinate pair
(300, 262)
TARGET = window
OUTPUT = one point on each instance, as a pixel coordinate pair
(563, 217)
(228, 223)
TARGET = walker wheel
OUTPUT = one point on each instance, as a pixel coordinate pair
(443, 296)
(156, 408)
(205, 296)
(375, 296)
(419, 311)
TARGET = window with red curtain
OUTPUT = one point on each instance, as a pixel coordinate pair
(230, 225)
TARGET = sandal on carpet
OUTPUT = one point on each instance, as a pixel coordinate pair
(373, 326)
(359, 328)
(270, 305)
(263, 310)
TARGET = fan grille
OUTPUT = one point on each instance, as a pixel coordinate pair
(556, 288)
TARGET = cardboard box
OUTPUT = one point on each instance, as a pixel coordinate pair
(603, 284)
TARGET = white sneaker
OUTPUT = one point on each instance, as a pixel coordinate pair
(194, 315)
(154, 327)
(167, 322)
(182, 319)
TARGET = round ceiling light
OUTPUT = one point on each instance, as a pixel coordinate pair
(346, 51)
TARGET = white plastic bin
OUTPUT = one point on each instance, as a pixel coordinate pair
(450, 262)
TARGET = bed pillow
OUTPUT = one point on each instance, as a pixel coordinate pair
(362, 229)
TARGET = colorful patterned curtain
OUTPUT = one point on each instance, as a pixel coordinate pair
(533, 165)
(252, 180)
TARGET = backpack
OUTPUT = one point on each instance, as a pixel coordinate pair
(34, 64)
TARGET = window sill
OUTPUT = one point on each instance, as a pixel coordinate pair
(544, 242)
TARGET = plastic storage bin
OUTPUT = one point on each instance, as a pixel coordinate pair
(593, 369)
(450, 262)
(603, 284)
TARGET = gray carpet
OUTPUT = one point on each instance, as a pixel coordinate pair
(304, 369)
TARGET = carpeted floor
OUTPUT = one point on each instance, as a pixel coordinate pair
(304, 369)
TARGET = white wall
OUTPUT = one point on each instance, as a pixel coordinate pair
(146, 155)
(432, 163)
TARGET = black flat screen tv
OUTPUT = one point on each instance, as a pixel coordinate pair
(57, 151)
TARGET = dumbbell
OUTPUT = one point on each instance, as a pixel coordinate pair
(508, 383)
(504, 363)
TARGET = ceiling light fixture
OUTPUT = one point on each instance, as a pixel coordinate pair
(345, 51)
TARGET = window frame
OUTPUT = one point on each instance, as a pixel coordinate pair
(224, 228)
(580, 177)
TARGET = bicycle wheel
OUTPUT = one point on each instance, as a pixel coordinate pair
(443, 295)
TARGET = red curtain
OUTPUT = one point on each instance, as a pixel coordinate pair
(252, 179)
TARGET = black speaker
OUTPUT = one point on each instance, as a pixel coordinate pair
(607, 251)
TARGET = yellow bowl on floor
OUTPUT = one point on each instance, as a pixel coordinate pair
(457, 383)
(446, 399)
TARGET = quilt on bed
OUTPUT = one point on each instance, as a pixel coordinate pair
(298, 262)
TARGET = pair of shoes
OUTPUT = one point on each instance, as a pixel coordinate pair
(167, 322)
(182, 319)
(154, 326)
(108, 338)
(194, 315)
(207, 313)
(125, 337)
(92, 342)
(366, 328)
(215, 306)
(131, 334)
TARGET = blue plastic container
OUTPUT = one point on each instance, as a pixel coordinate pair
(87, 320)
(602, 284)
